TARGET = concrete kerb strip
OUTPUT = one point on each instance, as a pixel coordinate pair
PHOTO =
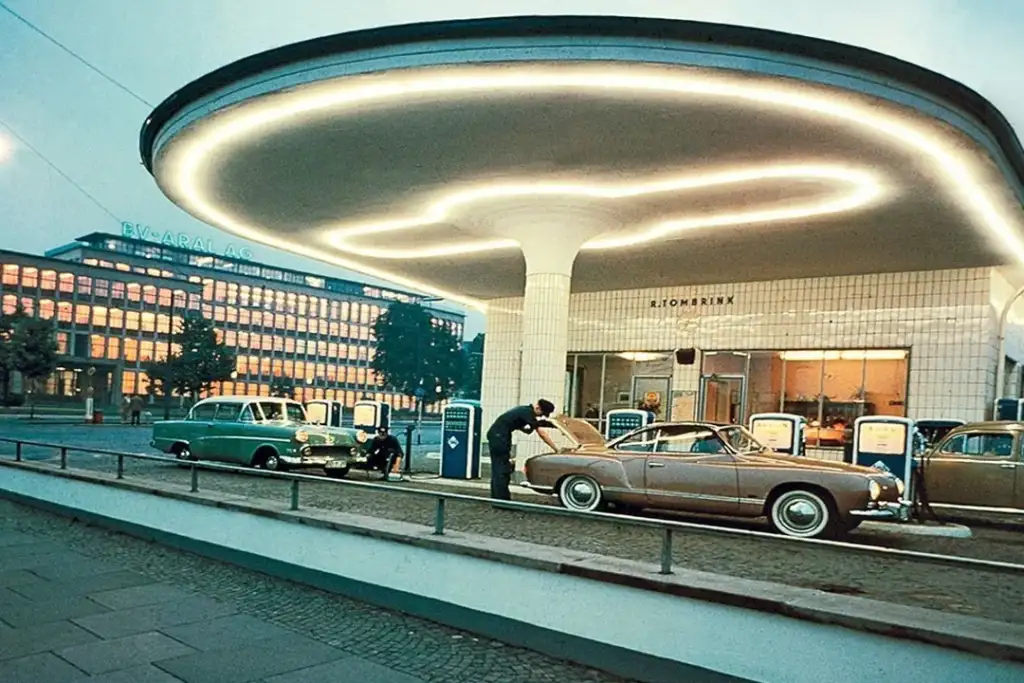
(988, 638)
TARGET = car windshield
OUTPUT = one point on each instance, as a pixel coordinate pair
(741, 440)
(279, 410)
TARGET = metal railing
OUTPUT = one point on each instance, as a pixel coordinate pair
(665, 527)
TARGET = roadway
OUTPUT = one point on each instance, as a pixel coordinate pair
(960, 590)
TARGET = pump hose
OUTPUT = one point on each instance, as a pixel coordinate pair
(920, 503)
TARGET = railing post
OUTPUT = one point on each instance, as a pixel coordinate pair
(63, 458)
(666, 551)
(439, 518)
(295, 494)
(17, 451)
(120, 466)
(195, 478)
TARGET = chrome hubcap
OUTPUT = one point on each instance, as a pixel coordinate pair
(582, 493)
(801, 515)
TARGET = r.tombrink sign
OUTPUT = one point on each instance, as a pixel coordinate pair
(693, 301)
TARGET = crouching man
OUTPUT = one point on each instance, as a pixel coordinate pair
(385, 453)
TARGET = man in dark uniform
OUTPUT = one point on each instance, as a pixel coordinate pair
(499, 440)
(385, 452)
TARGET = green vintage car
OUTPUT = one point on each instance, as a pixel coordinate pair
(270, 433)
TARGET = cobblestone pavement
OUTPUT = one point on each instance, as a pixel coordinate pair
(387, 643)
(972, 592)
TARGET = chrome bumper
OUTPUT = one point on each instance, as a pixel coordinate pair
(538, 489)
(885, 510)
(305, 460)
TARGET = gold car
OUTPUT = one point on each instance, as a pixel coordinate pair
(713, 469)
(977, 465)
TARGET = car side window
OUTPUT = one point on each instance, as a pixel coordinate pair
(246, 414)
(226, 412)
(641, 442)
(979, 444)
(203, 413)
(689, 440)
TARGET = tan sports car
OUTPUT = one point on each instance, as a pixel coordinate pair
(712, 469)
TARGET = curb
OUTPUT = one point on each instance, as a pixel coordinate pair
(985, 637)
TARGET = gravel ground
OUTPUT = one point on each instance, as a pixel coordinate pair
(428, 651)
(973, 592)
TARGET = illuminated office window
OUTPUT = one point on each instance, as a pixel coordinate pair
(332, 350)
(82, 314)
(343, 330)
(28, 305)
(232, 314)
(123, 267)
(244, 295)
(220, 291)
(84, 285)
(364, 333)
(289, 345)
(99, 316)
(257, 319)
(131, 349)
(10, 304)
(303, 304)
(292, 302)
(361, 376)
(374, 313)
(335, 311)
(301, 325)
(279, 321)
(265, 366)
(219, 334)
(62, 343)
(244, 317)
(207, 289)
(115, 316)
(333, 329)
(230, 338)
(48, 280)
(97, 346)
(323, 327)
(45, 309)
(66, 282)
(243, 340)
(106, 264)
(134, 291)
(128, 382)
(180, 298)
(113, 348)
(279, 302)
(101, 288)
(279, 344)
(300, 347)
(193, 301)
(149, 294)
(218, 313)
(232, 293)
(152, 272)
(364, 314)
(29, 278)
(10, 274)
(117, 290)
(166, 297)
(206, 310)
(131, 320)
(148, 322)
(321, 348)
(350, 374)
(277, 367)
(160, 351)
(289, 322)
(163, 324)
(145, 350)
(371, 377)
(242, 365)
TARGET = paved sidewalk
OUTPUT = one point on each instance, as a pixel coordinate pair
(79, 604)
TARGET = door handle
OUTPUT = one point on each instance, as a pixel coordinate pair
(1008, 466)
(655, 464)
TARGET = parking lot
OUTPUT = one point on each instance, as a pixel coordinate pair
(954, 589)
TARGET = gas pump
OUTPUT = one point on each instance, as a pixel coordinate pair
(782, 432)
(885, 443)
(624, 420)
(460, 440)
(1009, 409)
(325, 412)
(367, 416)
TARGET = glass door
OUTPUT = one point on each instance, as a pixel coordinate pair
(722, 398)
(652, 393)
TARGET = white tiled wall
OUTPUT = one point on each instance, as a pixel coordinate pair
(947, 318)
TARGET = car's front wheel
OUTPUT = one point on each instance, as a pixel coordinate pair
(802, 514)
(581, 493)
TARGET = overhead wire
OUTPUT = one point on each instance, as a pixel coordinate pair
(76, 56)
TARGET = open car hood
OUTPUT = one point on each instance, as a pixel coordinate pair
(579, 432)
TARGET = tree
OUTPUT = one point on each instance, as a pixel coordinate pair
(162, 374)
(413, 353)
(35, 352)
(8, 321)
(202, 360)
(475, 364)
(282, 388)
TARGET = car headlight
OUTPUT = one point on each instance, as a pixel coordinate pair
(302, 436)
(361, 436)
(900, 486)
(874, 489)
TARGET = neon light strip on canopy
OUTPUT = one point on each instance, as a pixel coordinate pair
(188, 167)
(864, 189)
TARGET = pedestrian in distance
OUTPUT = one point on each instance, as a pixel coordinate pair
(136, 406)
(525, 419)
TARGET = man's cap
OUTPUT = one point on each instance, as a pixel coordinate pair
(546, 407)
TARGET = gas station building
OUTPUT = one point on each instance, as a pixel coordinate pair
(711, 220)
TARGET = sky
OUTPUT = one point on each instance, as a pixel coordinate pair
(88, 128)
